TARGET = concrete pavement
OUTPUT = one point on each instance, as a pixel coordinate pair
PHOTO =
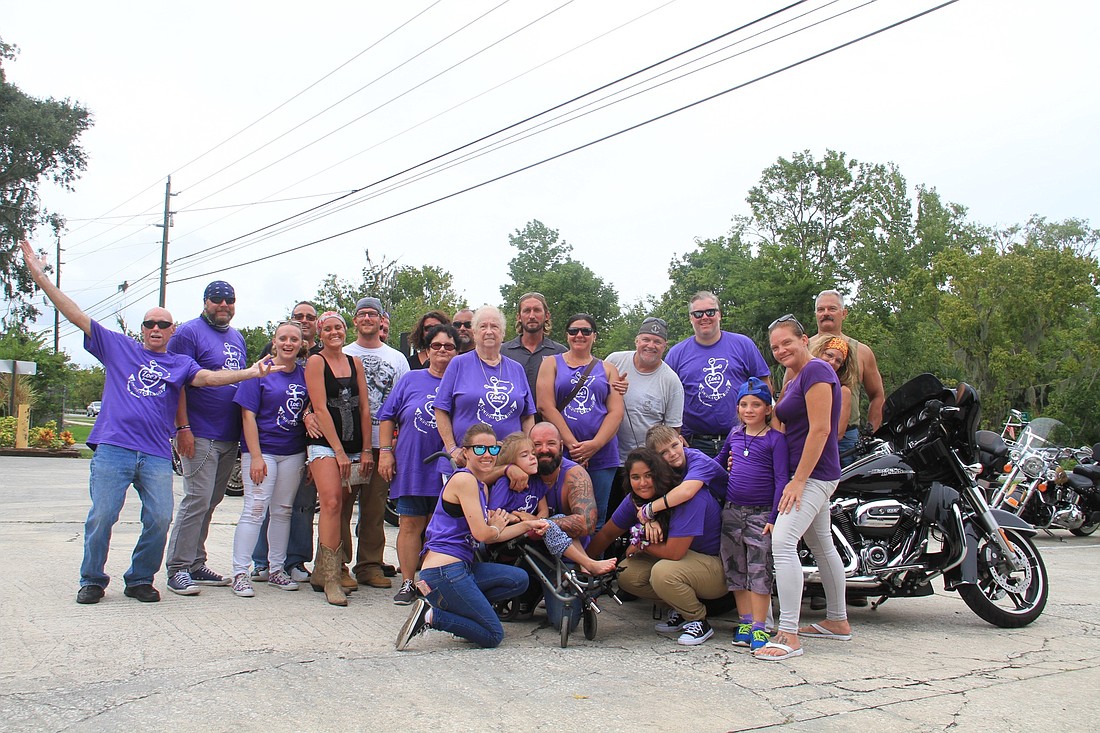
(288, 661)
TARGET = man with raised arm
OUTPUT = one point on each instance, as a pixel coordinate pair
(132, 434)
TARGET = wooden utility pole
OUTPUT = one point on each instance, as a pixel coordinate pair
(164, 240)
(56, 311)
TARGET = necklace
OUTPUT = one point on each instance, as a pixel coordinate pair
(748, 443)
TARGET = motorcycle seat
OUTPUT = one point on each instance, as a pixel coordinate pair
(1090, 471)
(1077, 482)
(990, 442)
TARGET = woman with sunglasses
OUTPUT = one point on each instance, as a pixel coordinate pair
(337, 390)
(809, 409)
(459, 592)
(418, 338)
(574, 393)
(483, 386)
(411, 408)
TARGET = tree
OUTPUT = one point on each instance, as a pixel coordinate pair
(38, 141)
(256, 338)
(544, 264)
(50, 383)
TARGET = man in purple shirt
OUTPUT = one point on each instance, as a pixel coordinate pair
(131, 436)
(712, 365)
(208, 433)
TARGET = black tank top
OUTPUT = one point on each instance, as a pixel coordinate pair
(342, 400)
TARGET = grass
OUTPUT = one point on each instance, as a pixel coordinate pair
(79, 430)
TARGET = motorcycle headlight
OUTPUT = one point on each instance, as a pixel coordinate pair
(1033, 466)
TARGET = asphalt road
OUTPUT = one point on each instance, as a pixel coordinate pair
(288, 661)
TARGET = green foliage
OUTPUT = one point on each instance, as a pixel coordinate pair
(256, 338)
(85, 385)
(51, 382)
(44, 436)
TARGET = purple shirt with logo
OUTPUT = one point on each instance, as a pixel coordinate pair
(699, 517)
(501, 496)
(759, 478)
(586, 412)
(711, 376)
(791, 410)
(277, 401)
(451, 535)
(210, 410)
(140, 392)
(474, 392)
(411, 405)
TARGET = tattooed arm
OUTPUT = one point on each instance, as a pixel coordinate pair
(581, 502)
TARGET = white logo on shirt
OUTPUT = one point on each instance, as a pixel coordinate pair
(495, 407)
(714, 387)
(424, 418)
(290, 411)
(582, 403)
(148, 381)
(234, 357)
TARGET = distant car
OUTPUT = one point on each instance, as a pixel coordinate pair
(94, 408)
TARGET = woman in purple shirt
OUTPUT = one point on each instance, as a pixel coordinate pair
(808, 408)
(273, 452)
(459, 592)
(574, 393)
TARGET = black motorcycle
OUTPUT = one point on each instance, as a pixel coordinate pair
(911, 510)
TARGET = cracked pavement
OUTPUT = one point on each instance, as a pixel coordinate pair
(288, 661)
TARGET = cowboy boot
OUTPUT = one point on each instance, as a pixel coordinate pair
(331, 578)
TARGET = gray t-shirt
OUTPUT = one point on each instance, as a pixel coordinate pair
(382, 366)
(652, 399)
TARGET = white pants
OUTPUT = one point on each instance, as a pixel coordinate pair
(810, 521)
(274, 495)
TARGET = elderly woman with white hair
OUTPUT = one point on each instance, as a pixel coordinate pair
(483, 386)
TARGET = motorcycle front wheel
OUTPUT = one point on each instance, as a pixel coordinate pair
(1086, 529)
(1002, 596)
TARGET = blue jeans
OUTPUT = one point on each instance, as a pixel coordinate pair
(113, 469)
(711, 445)
(602, 479)
(462, 596)
(300, 548)
(847, 442)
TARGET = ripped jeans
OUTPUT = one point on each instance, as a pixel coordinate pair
(274, 496)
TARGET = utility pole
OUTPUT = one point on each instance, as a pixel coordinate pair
(56, 311)
(164, 239)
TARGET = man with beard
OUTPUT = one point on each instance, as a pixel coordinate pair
(208, 434)
(830, 311)
(464, 324)
(532, 343)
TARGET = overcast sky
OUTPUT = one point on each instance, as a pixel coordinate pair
(992, 103)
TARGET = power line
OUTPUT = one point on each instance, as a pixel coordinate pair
(224, 206)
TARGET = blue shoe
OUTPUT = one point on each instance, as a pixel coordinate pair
(759, 639)
(743, 635)
(181, 584)
(206, 576)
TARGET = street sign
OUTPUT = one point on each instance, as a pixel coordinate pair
(10, 366)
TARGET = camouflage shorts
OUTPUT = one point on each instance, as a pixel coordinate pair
(746, 551)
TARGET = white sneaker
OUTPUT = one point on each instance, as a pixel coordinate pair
(242, 586)
(299, 574)
(674, 624)
(282, 581)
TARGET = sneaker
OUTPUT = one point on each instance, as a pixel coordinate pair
(414, 624)
(743, 635)
(282, 581)
(299, 574)
(406, 595)
(206, 576)
(260, 573)
(695, 632)
(760, 639)
(181, 584)
(671, 625)
(242, 586)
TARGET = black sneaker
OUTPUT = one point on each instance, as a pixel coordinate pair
(181, 584)
(406, 595)
(144, 593)
(206, 576)
(414, 624)
(674, 623)
(89, 594)
(695, 632)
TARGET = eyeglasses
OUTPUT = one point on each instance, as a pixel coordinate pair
(368, 314)
(480, 450)
(708, 312)
(573, 331)
(789, 318)
(437, 345)
(462, 324)
(311, 317)
(162, 325)
(218, 300)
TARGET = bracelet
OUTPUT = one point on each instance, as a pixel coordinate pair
(498, 531)
(452, 449)
(183, 427)
(647, 510)
(387, 448)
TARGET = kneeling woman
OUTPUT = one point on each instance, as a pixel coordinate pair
(459, 591)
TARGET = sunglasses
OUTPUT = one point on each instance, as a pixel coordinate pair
(218, 300)
(462, 324)
(162, 325)
(573, 331)
(480, 450)
(304, 317)
(789, 318)
(708, 312)
(436, 346)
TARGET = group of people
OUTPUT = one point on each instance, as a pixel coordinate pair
(481, 440)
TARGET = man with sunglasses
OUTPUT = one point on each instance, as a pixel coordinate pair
(131, 437)
(208, 434)
(532, 343)
(464, 324)
(712, 365)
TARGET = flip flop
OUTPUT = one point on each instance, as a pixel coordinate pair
(817, 631)
(788, 652)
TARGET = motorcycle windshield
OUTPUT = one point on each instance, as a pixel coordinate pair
(1044, 432)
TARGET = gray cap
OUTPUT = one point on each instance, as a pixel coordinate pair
(655, 327)
(369, 302)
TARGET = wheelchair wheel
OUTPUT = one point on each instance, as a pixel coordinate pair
(564, 624)
(589, 620)
(507, 610)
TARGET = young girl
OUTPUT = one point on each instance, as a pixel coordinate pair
(530, 503)
(757, 457)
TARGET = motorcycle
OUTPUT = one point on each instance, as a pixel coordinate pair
(910, 510)
(1037, 487)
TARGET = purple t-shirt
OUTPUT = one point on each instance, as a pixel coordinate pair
(411, 405)
(501, 496)
(756, 479)
(474, 392)
(277, 401)
(140, 393)
(588, 409)
(699, 517)
(791, 410)
(210, 410)
(698, 466)
(451, 535)
(553, 493)
(711, 376)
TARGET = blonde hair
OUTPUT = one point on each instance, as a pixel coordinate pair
(660, 435)
(512, 446)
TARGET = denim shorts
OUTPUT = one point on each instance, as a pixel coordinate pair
(416, 506)
(313, 452)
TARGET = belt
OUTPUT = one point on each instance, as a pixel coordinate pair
(707, 436)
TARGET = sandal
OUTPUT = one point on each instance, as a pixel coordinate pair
(817, 631)
(788, 652)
